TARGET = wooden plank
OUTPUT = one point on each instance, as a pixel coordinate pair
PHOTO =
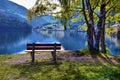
(42, 48)
(44, 44)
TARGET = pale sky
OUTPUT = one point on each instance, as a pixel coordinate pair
(26, 3)
(30, 3)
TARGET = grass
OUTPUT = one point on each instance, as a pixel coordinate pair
(62, 70)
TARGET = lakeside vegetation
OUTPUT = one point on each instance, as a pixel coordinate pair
(97, 68)
(112, 29)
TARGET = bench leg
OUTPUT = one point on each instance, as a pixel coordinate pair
(54, 56)
(33, 57)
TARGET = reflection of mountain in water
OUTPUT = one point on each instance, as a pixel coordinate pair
(13, 41)
(53, 34)
(69, 40)
(73, 40)
(49, 26)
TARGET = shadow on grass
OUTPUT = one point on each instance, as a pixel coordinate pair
(68, 70)
(101, 57)
(71, 70)
(52, 71)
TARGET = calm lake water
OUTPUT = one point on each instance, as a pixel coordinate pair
(15, 41)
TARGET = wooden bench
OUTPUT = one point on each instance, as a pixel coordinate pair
(36, 47)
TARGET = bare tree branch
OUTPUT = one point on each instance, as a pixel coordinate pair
(85, 16)
(96, 14)
(96, 5)
(108, 2)
(109, 9)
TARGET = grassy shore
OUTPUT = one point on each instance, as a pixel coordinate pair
(71, 65)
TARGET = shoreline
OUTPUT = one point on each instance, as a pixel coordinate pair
(79, 56)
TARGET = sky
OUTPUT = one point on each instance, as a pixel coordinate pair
(26, 3)
(30, 3)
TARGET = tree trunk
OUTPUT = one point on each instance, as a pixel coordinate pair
(102, 10)
(90, 31)
(98, 33)
(90, 24)
(90, 39)
(118, 34)
(103, 47)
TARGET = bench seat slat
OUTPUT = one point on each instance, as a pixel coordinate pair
(44, 44)
(44, 47)
(40, 50)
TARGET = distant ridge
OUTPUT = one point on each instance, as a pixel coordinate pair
(10, 8)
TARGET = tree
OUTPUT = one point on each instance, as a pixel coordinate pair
(104, 8)
(94, 12)
(45, 7)
(89, 22)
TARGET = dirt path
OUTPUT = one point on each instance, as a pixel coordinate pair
(65, 55)
(27, 58)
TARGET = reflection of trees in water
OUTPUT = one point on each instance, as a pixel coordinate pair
(113, 39)
(13, 41)
(74, 40)
(113, 43)
(51, 34)
(118, 43)
(69, 39)
(7, 37)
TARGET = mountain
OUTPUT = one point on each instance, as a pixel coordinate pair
(10, 22)
(12, 9)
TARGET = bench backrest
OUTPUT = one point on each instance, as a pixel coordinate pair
(41, 46)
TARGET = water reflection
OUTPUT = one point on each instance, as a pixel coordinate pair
(113, 43)
(70, 40)
(15, 41)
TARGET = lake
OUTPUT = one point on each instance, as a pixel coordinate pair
(14, 41)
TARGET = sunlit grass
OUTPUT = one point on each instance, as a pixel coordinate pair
(66, 70)
(62, 70)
